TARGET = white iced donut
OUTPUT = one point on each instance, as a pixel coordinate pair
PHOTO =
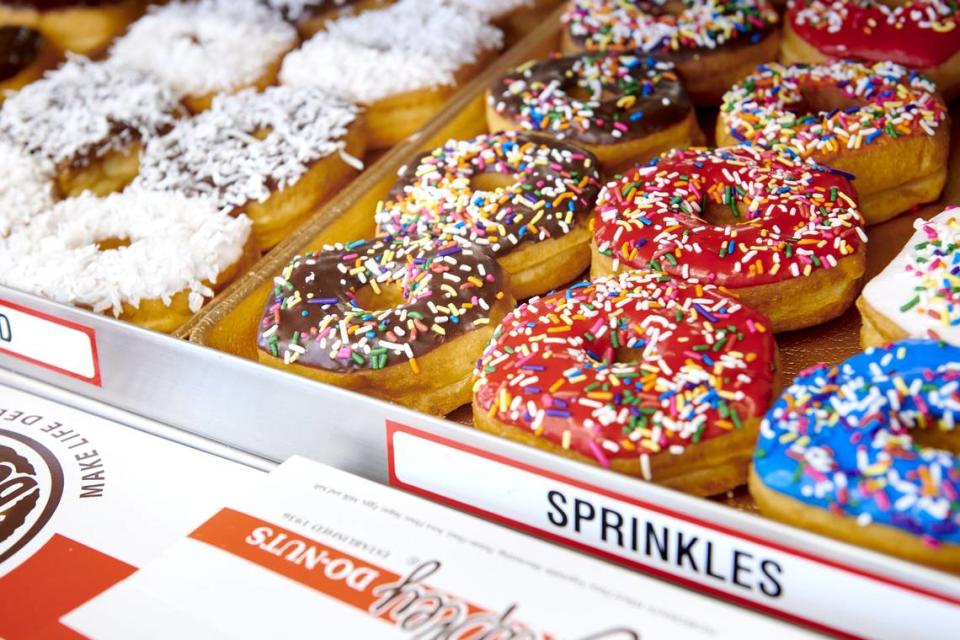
(207, 47)
(151, 258)
(918, 294)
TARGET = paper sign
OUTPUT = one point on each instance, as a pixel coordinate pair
(318, 553)
(85, 501)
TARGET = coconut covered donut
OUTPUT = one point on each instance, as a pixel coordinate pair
(526, 198)
(918, 294)
(862, 452)
(26, 188)
(401, 63)
(920, 34)
(90, 120)
(714, 43)
(882, 124)
(275, 156)
(403, 319)
(148, 258)
(635, 106)
(516, 17)
(24, 55)
(80, 26)
(206, 47)
(637, 373)
(783, 235)
(311, 16)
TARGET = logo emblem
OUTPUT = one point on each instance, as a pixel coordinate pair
(31, 485)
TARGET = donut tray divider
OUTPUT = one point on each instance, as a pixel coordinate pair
(211, 387)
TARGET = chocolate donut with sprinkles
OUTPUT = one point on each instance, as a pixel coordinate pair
(525, 197)
(633, 108)
(714, 43)
(636, 372)
(402, 319)
(882, 124)
(918, 294)
(784, 235)
(865, 451)
(920, 34)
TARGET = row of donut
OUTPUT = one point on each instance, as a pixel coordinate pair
(714, 43)
(271, 156)
(654, 371)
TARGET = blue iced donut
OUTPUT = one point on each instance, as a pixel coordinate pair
(839, 453)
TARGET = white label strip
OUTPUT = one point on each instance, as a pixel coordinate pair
(49, 342)
(749, 572)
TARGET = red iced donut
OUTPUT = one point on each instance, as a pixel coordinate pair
(920, 34)
(784, 235)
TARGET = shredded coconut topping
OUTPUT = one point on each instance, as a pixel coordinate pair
(409, 46)
(206, 46)
(26, 187)
(300, 9)
(86, 109)
(248, 145)
(175, 244)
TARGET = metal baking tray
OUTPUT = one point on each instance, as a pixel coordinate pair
(211, 386)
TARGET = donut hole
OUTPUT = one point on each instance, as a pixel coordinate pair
(720, 214)
(262, 133)
(490, 181)
(390, 297)
(822, 99)
(577, 91)
(112, 244)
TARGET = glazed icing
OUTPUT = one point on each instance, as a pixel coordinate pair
(918, 33)
(315, 315)
(842, 438)
(795, 218)
(886, 101)
(631, 365)
(630, 97)
(920, 289)
(554, 187)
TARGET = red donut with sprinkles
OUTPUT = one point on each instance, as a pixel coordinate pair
(635, 372)
(784, 235)
(919, 34)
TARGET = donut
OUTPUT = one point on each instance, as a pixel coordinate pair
(920, 34)
(90, 120)
(147, 258)
(81, 26)
(24, 55)
(401, 63)
(636, 372)
(783, 235)
(881, 123)
(525, 197)
(206, 47)
(402, 319)
(633, 107)
(311, 16)
(918, 294)
(861, 452)
(275, 156)
(27, 188)
(714, 43)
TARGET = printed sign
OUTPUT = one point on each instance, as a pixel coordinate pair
(53, 343)
(740, 568)
(320, 553)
